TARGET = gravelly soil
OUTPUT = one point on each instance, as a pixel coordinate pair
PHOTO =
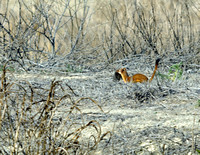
(166, 121)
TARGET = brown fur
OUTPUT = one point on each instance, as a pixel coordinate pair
(135, 78)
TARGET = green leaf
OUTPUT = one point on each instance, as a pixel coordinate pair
(198, 151)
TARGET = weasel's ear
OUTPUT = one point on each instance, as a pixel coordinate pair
(117, 76)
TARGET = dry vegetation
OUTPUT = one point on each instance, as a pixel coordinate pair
(87, 32)
(64, 36)
(30, 124)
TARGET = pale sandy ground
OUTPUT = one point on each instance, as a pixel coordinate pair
(166, 124)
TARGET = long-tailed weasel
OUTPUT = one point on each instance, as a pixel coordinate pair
(122, 73)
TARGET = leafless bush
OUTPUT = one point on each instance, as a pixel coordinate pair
(58, 33)
(151, 28)
(38, 32)
(30, 123)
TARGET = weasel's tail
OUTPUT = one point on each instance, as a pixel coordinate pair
(154, 72)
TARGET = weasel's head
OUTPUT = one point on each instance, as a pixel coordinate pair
(122, 71)
(118, 74)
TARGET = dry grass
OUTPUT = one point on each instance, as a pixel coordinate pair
(29, 123)
(106, 31)
(55, 37)
(58, 37)
(40, 114)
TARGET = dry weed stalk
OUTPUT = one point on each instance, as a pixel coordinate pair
(99, 32)
(29, 122)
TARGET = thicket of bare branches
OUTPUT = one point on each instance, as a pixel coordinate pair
(38, 32)
(82, 32)
(63, 35)
(30, 123)
(152, 28)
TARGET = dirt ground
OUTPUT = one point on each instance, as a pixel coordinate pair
(143, 118)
